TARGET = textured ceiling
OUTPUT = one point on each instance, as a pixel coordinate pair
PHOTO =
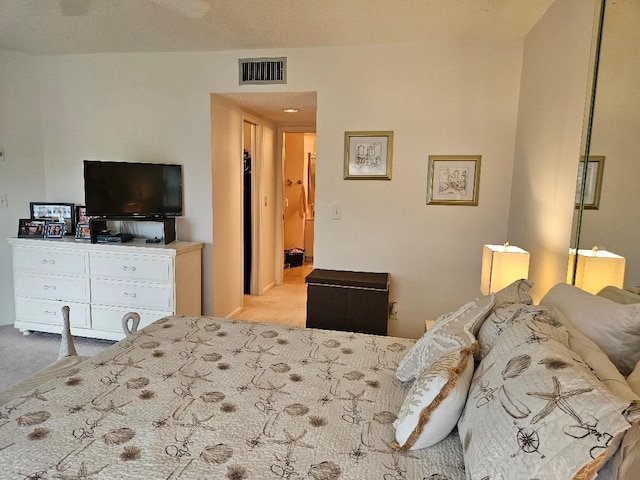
(51, 27)
(60, 27)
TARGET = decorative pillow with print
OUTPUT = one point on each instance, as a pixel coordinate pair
(534, 410)
(517, 292)
(435, 401)
(502, 317)
(450, 333)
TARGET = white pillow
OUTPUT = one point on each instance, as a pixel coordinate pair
(435, 401)
(618, 295)
(534, 411)
(615, 328)
(450, 333)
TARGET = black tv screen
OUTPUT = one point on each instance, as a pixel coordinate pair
(123, 189)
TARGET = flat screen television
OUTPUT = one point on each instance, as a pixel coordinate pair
(129, 190)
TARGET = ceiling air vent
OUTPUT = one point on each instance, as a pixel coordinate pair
(262, 71)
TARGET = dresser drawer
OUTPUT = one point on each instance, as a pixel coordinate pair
(132, 267)
(109, 319)
(132, 294)
(50, 312)
(52, 287)
(49, 260)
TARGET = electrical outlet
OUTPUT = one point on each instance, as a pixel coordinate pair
(4, 201)
(393, 310)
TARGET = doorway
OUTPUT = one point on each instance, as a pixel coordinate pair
(254, 122)
(298, 159)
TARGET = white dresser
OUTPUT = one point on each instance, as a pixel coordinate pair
(102, 282)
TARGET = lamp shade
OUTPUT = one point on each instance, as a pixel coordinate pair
(596, 269)
(501, 266)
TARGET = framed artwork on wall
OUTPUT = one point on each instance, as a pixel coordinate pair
(593, 184)
(367, 155)
(453, 179)
(55, 212)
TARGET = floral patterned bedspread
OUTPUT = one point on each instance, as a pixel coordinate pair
(204, 397)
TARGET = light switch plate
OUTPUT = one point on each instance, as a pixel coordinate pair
(336, 211)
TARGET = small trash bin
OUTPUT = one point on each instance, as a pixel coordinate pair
(293, 257)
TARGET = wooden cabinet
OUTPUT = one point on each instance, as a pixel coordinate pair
(102, 282)
(350, 301)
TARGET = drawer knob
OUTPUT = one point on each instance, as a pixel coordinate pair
(49, 287)
(51, 313)
(48, 262)
(128, 269)
(132, 295)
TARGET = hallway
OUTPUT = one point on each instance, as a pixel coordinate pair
(284, 304)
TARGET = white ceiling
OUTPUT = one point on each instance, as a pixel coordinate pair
(59, 27)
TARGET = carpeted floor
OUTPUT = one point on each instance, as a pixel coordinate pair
(284, 304)
(20, 355)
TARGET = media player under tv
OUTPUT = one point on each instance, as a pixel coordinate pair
(117, 238)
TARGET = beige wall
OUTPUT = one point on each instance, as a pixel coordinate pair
(269, 201)
(447, 97)
(21, 167)
(226, 175)
(553, 96)
(455, 97)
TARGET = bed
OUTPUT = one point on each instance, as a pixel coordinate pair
(206, 397)
(203, 397)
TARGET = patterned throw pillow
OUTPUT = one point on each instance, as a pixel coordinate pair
(435, 401)
(535, 410)
(502, 317)
(450, 333)
(517, 292)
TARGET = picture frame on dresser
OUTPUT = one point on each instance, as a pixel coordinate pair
(55, 230)
(56, 212)
(30, 228)
(83, 232)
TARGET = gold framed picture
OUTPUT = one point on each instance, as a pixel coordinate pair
(367, 155)
(453, 179)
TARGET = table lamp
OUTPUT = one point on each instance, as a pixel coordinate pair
(596, 269)
(501, 266)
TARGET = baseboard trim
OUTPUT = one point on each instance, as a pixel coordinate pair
(6, 321)
(267, 288)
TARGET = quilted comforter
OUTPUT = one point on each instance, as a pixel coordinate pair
(203, 397)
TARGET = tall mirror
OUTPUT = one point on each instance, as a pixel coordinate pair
(609, 215)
